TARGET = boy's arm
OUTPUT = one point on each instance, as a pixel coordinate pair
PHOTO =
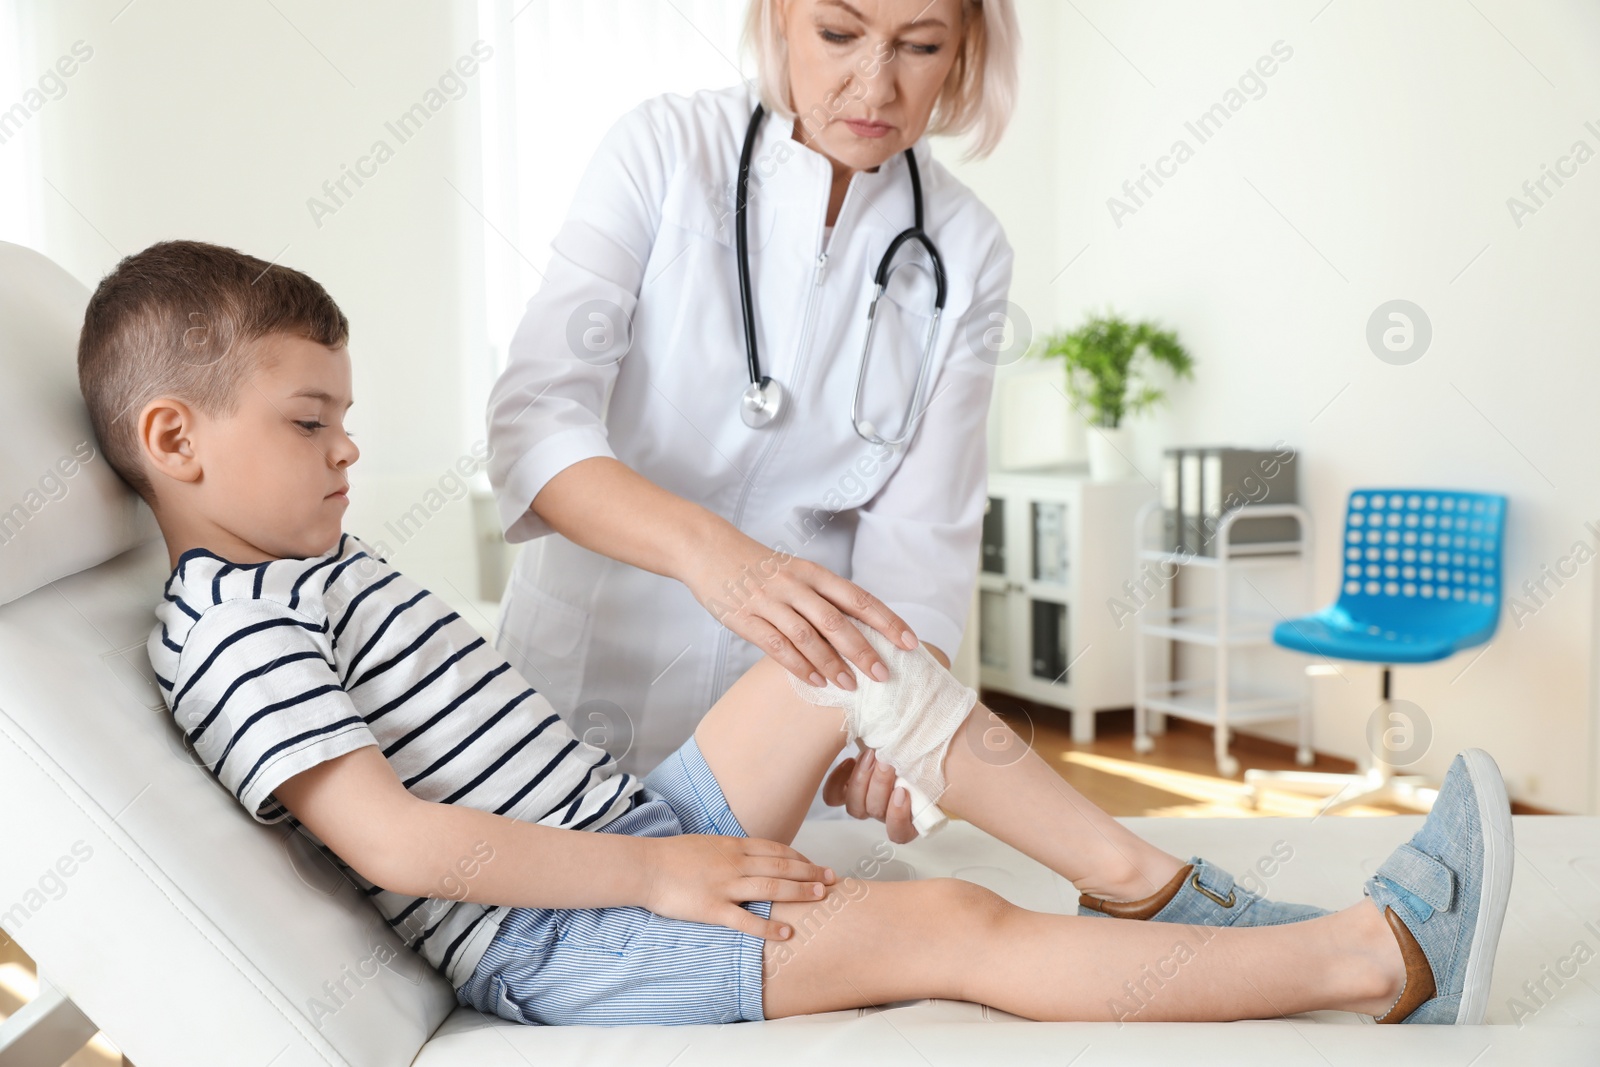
(357, 806)
(256, 693)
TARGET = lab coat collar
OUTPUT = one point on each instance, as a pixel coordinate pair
(807, 173)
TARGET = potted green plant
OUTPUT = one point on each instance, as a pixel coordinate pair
(1107, 361)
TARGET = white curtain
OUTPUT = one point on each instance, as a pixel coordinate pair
(19, 136)
(563, 71)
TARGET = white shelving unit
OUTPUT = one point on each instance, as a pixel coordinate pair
(1222, 629)
(1055, 555)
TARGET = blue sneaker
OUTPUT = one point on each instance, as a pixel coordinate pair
(1202, 894)
(1444, 894)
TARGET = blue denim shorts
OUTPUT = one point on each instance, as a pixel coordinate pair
(613, 966)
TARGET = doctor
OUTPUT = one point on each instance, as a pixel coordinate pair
(704, 478)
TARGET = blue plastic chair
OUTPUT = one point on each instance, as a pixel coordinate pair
(1421, 582)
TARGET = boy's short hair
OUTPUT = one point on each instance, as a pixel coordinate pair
(181, 319)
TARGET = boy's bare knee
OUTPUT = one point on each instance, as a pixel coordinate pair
(962, 924)
(871, 942)
(969, 902)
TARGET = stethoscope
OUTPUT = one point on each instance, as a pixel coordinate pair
(763, 398)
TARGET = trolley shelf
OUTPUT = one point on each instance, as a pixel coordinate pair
(1199, 626)
(1261, 554)
(1196, 700)
(1216, 701)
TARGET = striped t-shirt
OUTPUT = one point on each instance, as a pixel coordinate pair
(271, 668)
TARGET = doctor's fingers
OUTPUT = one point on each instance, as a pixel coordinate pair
(856, 786)
(835, 788)
(870, 787)
(813, 647)
(880, 782)
(849, 784)
(766, 636)
(841, 597)
(898, 822)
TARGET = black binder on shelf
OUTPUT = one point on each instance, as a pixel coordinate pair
(1049, 641)
(1201, 484)
(994, 536)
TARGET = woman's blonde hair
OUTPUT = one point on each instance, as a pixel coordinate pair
(977, 97)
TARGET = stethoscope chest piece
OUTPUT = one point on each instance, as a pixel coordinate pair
(762, 403)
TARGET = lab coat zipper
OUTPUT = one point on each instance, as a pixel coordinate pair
(726, 635)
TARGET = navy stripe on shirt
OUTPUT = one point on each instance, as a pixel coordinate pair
(302, 671)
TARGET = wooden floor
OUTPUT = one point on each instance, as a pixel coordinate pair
(1178, 778)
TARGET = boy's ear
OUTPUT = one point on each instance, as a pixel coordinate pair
(166, 427)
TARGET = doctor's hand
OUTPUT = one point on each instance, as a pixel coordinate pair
(792, 609)
(704, 877)
(867, 790)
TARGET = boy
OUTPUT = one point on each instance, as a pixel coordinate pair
(321, 685)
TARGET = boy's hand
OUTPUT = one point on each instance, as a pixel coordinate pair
(704, 877)
(866, 788)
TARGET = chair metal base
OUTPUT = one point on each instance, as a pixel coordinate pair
(1375, 785)
(1378, 784)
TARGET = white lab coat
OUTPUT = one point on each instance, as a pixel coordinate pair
(629, 657)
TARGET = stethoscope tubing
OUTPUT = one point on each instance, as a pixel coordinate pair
(742, 244)
(764, 387)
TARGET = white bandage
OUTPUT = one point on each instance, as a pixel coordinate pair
(908, 720)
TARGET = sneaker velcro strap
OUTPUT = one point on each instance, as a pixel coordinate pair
(1421, 875)
(1216, 883)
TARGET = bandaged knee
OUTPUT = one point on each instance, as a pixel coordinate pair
(907, 720)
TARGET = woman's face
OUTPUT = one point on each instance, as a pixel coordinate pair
(864, 74)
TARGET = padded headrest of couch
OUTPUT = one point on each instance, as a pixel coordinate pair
(62, 508)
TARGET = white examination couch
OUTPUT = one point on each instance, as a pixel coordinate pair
(159, 912)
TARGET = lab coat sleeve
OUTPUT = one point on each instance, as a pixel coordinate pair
(546, 410)
(917, 539)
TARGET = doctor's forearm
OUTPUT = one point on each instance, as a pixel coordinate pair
(607, 507)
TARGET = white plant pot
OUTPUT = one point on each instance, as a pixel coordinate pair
(1110, 454)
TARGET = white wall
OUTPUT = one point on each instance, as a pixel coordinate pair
(219, 122)
(1376, 165)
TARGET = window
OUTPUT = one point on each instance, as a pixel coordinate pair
(18, 136)
(562, 73)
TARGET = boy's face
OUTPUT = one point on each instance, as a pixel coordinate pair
(271, 476)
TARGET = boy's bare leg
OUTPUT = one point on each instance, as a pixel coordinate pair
(769, 750)
(877, 942)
